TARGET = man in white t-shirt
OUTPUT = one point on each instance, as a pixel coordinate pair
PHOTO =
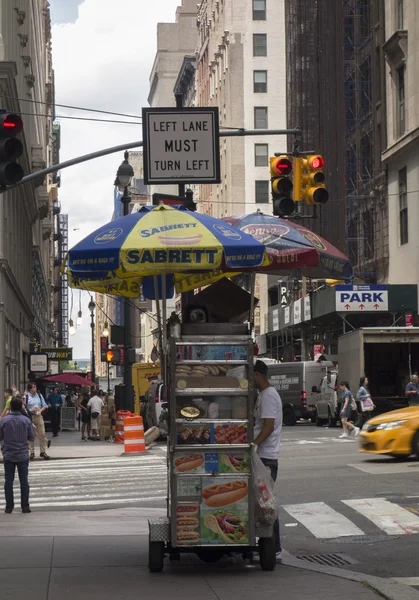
(267, 429)
(95, 404)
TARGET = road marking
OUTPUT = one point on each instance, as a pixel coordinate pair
(322, 520)
(303, 442)
(407, 580)
(390, 517)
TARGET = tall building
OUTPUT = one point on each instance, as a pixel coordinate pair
(401, 153)
(27, 212)
(241, 69)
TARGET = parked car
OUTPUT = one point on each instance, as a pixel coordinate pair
(394, 433)
(294, 382)
(327, 400)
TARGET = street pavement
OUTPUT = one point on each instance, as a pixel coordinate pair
(338, 507)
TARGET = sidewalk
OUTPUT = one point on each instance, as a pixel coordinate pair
(105, 557)
(68, 444)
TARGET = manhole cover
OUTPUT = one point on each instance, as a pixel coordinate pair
(362, 539)
(337, 559)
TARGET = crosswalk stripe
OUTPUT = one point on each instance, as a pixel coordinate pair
(322, 520)
(388, 516)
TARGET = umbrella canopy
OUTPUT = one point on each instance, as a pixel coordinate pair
(164, 239)
(292, 246)
(69, 379)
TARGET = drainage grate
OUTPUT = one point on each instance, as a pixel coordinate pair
(337, 559)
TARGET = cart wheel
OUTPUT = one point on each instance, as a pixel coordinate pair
(155, 556)
(209, 555)
(267, 555)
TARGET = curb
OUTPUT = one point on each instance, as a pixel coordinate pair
(388, 588)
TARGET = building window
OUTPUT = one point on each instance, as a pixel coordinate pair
(400, 100)
(261, 117)
(261, 155)
(262, 191)
(260, 82)
(400, 14)
(404, 231)
(260, 44)
(259, 10)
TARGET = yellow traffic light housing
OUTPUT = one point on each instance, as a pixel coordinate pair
(313, 190)
(281, 185)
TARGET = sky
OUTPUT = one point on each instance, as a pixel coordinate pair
(103, 52)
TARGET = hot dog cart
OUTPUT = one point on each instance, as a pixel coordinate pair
(211, 499)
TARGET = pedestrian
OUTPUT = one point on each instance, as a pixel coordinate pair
(55, 403)
(95, 404)
(85, 417)
(36, 404)
(346, 410)
(26, 413)
(8, 397)
(412, 391)
(267, 430)
(16, 431)
(363, 397)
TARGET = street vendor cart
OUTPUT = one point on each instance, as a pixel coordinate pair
(211, 508)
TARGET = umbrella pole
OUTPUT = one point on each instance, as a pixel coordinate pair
(164, 312)
(252, 301)
(156, 293)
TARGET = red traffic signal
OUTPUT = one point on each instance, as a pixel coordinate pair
(11, 123)
(317, 162)
(10, 149)
(282, 166)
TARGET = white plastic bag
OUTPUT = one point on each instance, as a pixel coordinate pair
(266, 493)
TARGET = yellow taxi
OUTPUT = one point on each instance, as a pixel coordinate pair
(395, 433)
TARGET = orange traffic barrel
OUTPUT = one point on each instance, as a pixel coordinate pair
(133, 435)
(119, 425)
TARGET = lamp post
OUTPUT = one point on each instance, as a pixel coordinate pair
(123, 179)
(91, 307)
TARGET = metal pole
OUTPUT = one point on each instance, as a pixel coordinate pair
(109, 380)
(92, 325)
(129, 400)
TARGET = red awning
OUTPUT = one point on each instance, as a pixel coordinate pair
(69, 379)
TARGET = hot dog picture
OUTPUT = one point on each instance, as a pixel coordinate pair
(228, 526)
(224, 494)
(183, 510)
(183, 464)
(186, 523)
(187, 537)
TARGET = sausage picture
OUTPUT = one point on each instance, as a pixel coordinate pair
(183, 464)
(186, 510)
(186, 523)
(224, 494)
(187, 537)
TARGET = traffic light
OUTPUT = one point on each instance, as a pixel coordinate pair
(10, 149)
(115, 356)
(281, 185)
(312, 178)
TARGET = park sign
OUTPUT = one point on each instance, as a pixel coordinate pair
(361, 298)
(181, 145)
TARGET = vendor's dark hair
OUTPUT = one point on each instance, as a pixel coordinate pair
(16, 405)
(261, 367)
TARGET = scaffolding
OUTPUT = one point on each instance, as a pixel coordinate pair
(361, 207)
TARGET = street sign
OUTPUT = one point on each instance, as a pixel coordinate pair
(318, 351)
(58, 353)
(104, 344)
(408, 320)
(275, 319)
(297, 311)
(181, 145)
(307, 308)
(38, 362)
(361, 298)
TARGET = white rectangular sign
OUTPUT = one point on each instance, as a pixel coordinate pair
(361, 298)
(181, 145)
(275, 319)
(307, 308)
(297, 311)
(38, 362)
(287, 315)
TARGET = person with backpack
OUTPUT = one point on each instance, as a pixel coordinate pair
(36, 405)
(348, 405)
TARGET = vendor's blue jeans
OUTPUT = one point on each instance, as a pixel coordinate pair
(9, 475)
(273, 466)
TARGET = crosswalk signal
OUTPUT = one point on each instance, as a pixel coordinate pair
(312, 180)
(281, 185)
(114, 356)
(10, 149)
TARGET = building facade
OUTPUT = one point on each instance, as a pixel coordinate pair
(27, 212)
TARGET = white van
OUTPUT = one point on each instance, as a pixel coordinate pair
(294, 382)
(327, 401)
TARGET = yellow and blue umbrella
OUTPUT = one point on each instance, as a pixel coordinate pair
(164, 239)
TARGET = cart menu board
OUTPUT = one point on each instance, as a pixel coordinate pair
(201, 433)
(212, 352)
(211, 463)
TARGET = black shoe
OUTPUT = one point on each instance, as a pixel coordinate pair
(44, 455)
(49, 443)
(8, 511)
(55, 435)
(26, 509)
(32, 456)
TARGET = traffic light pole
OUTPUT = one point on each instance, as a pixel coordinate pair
(127, 367)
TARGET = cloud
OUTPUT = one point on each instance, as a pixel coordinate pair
(101, 60)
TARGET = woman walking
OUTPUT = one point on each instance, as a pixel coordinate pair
(85, 417)
(345, 413)
(366, 405)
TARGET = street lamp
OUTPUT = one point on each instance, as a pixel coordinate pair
(91, 307)
(123, 179)
(105, 331)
